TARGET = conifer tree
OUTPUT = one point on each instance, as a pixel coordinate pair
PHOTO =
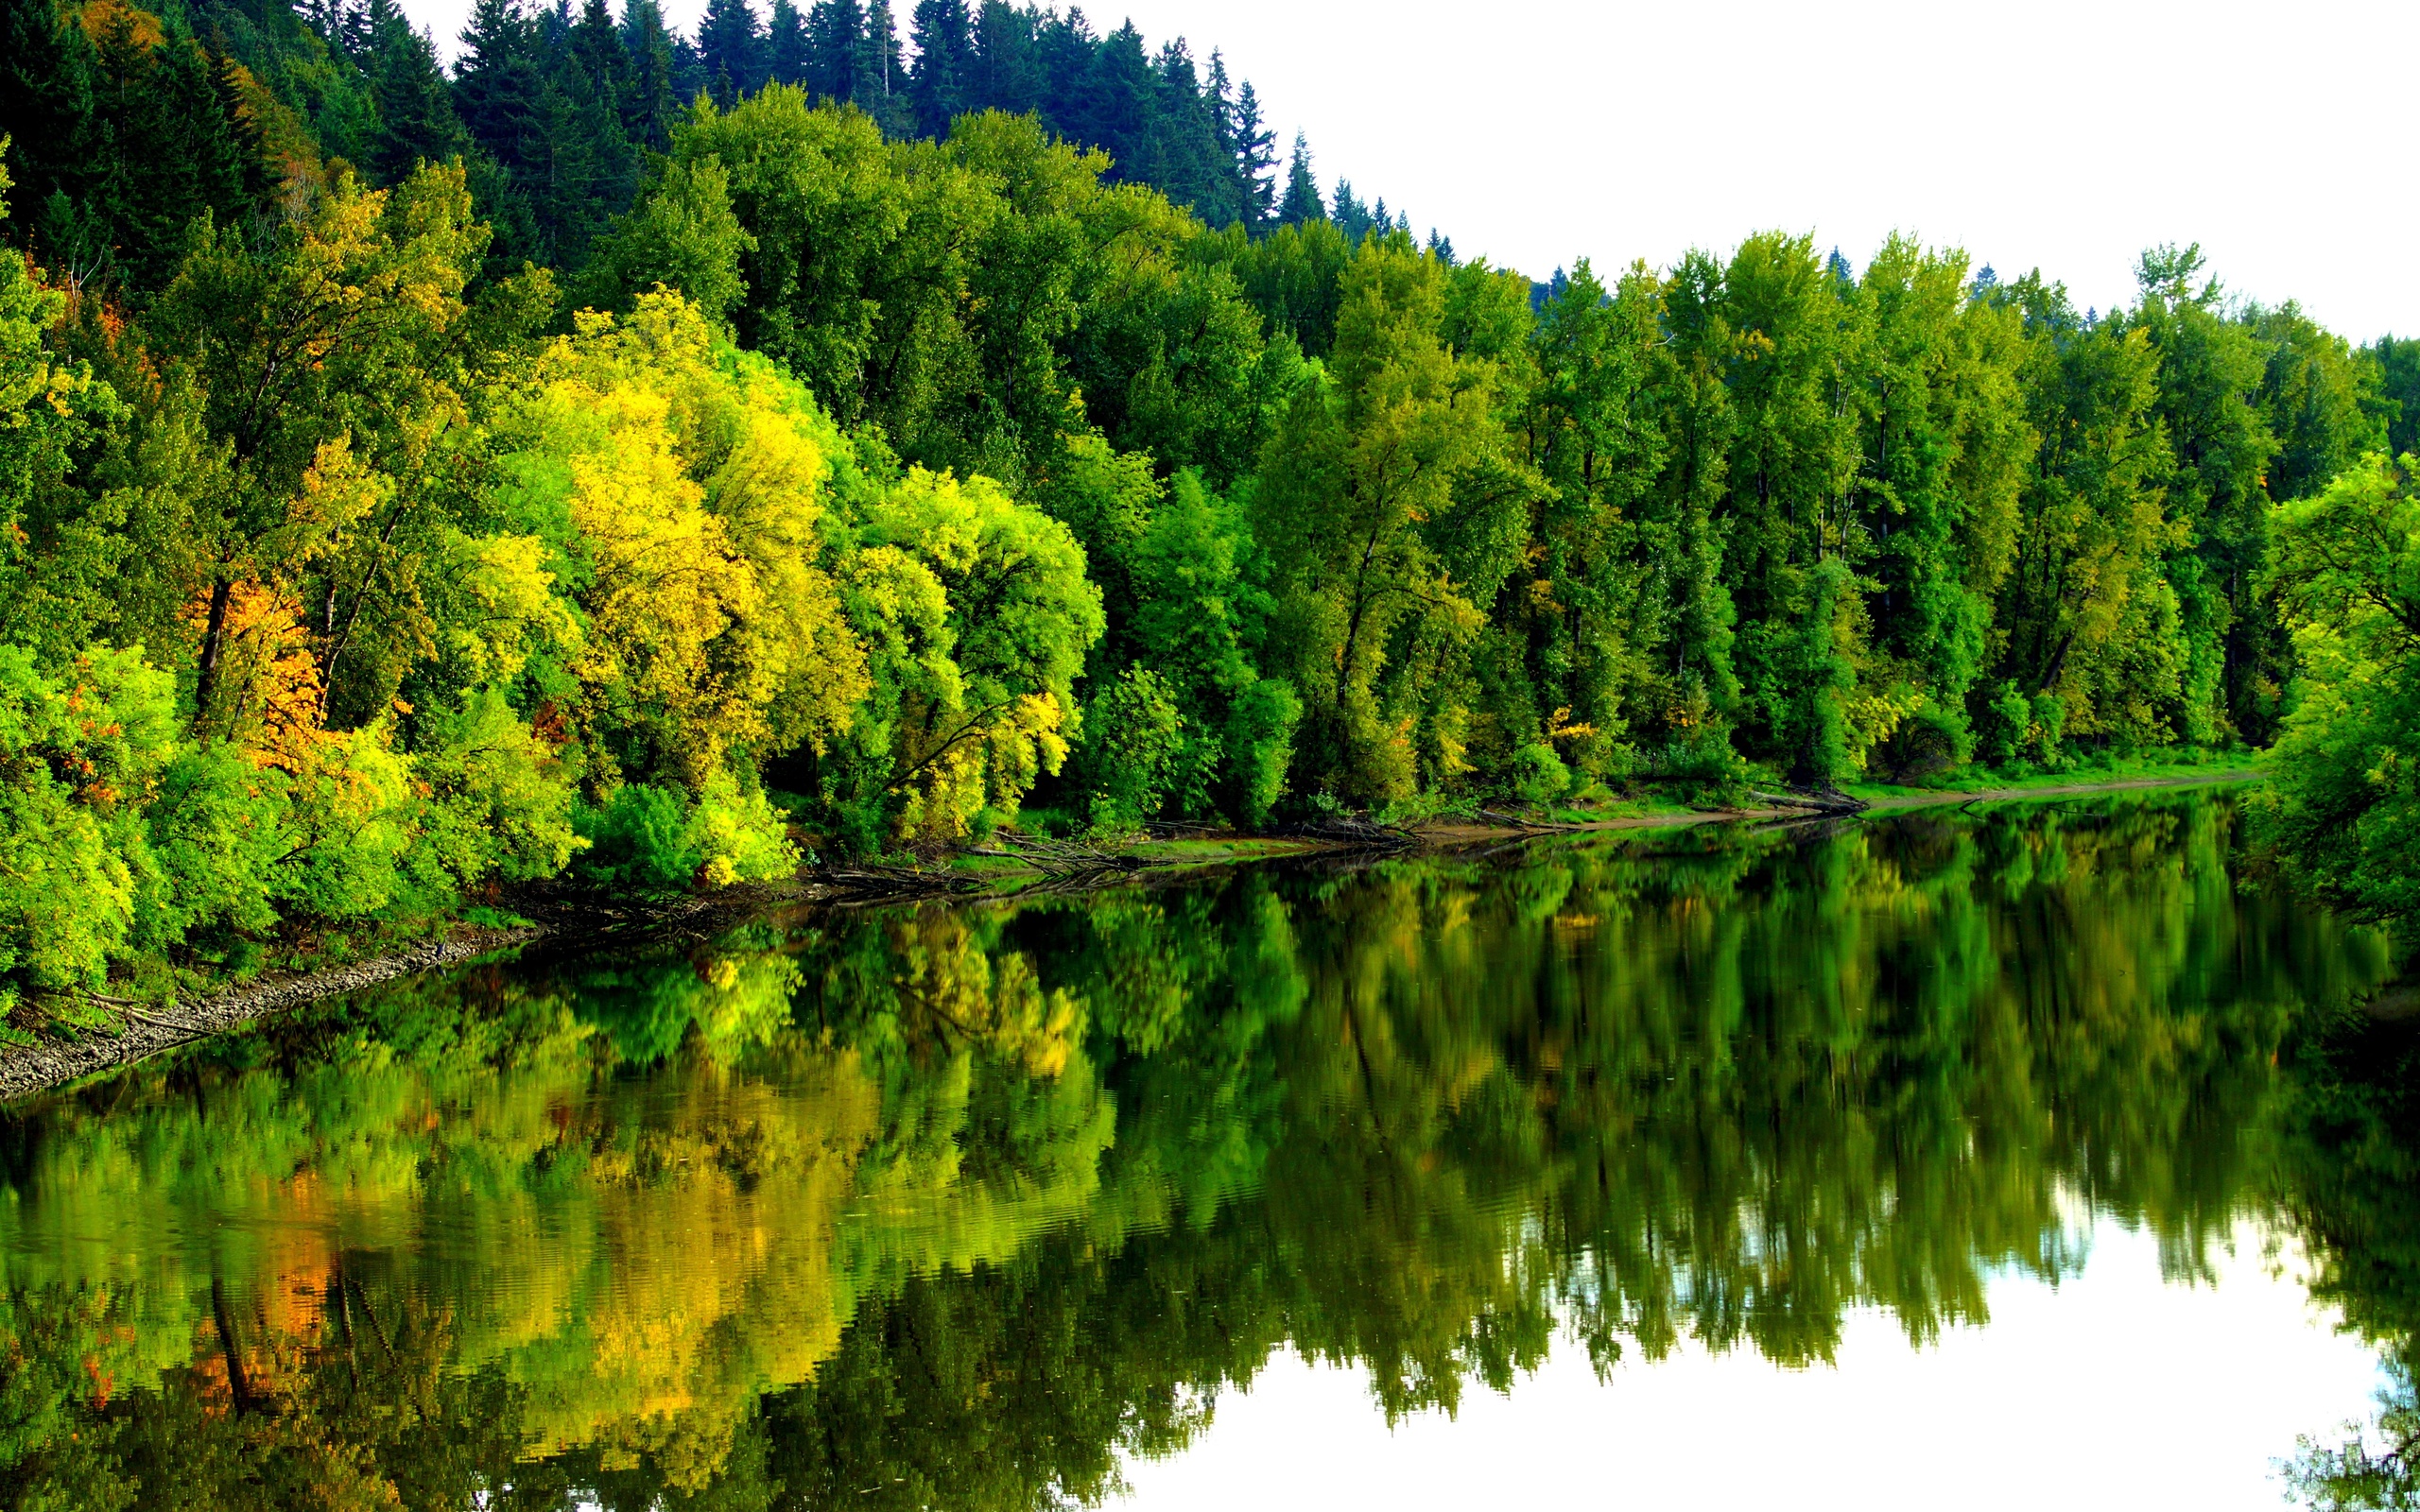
(785, 49)
(1118, 107)
(730, 47)
(1351, 215)
(496, 81)
(882, 74)
(46, 108)
(937, 92)
(597, 49)
(1256, 153)
(1065, 46)
(650, 105)
(1302, 201)
(836, 45)
(416, 119)
(1005, 76)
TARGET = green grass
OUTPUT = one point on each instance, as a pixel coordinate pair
(2142, 767)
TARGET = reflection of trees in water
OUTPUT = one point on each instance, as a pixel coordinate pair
(2350, 1166)
(934, 1206)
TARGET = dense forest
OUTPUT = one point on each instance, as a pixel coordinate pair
(628, 460)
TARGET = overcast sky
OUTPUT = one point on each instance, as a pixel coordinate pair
(2064, 134)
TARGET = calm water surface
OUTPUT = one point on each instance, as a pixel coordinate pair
(2019, 1157)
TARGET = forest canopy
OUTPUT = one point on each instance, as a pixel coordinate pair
(634, 461)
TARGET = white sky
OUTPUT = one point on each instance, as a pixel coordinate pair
(2116, 1391)
(2064, 134)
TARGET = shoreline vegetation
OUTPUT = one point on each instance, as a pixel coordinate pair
(502, 494)
(49, 1064)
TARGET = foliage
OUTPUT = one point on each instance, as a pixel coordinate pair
(496, 458)
(2345, 569)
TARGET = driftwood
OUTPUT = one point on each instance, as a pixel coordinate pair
(1815, 800)
(1519, 821)
(1355, 831)
(1059, 859)
(872, 880)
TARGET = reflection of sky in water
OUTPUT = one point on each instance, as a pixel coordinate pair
(2116, 1389)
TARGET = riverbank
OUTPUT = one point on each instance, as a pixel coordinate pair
(989, 872)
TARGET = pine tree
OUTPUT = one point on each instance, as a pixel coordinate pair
(649, 103)
(1302, 201)
(835, 43)
(1192, 159)
(496, 82)
(415, 105)
(1119, 107)
(882, 74)
(786, 51)
(1065, 46)
(46, 112)
(1005, 76)
(729, 49)
(597, 49)
(1218, 94)
(943, 32)
(1256, 151)
(1351, 215)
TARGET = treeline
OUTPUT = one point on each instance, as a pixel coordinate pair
(862, 490)
(127, 125)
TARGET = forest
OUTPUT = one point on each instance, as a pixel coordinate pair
(636, 462)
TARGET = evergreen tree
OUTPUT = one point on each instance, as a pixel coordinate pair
(730, 49)
(1119, 107)
(1351, 215)
(944, 46)
(1192, 159)
(836, 45)
(1302, 201)
(596, 46)
(1254, 146)
(785, 46)
(46, 113)
(416, 119)
(650, 105)
(882, 74)
(1006, 78)
(496, 82)
(1066, 47)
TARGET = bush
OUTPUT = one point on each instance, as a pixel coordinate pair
(1928, 743)
(1131, 734)
(218, 830)
(499, 798)
(79, 751)
(2010, 717)
(1260, 745)
(655, 838)
(2049, 714)
(1538, 774)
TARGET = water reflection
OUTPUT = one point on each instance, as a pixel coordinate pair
(957, 1206)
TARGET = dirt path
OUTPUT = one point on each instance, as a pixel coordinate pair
(51, 1063)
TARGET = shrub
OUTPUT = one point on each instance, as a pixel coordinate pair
(1132, 733)
(1538, 774)
(656, 838)
(79, 751)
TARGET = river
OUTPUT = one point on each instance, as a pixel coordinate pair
(2030, 1156)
